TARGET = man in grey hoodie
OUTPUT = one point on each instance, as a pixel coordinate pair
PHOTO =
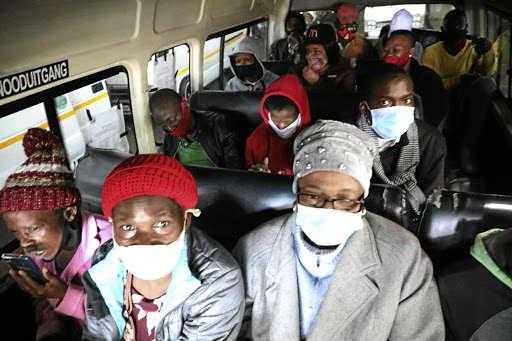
(250, 74)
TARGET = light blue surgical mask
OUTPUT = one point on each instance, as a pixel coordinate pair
(328, 227)
(391, 122)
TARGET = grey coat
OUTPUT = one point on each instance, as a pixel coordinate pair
(382, 287)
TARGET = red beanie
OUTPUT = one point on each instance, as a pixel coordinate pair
(43, 182)
(149, 174)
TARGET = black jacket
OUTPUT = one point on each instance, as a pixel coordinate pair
(339, 78)
(429, 86)
(430, 170)
(216, 135)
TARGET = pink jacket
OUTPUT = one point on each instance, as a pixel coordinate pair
(96, 230)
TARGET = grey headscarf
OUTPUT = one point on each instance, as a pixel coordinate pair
(334, 146)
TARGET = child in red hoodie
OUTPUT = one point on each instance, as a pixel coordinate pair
(285, 112)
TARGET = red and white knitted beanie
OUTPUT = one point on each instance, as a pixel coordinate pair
(149, 174)
(43, 182)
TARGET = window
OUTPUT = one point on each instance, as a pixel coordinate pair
(320, 17)
(216, 64)
(85, 112)
(12, 130)
(170, 69)
(97, 115)
(424, 16)
(498, 30)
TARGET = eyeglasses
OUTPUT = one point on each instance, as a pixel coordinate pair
(313, 200)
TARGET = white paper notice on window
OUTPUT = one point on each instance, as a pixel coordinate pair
(108, 130)
(164, 71)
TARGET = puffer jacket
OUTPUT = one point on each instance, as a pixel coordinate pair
(216, 135)
(204, 301)
(249, 45)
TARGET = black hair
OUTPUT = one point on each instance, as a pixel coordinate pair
(300, 18)
(454, 15)
(371, 74)
(163, 97)
(279, 103)
(405, 33)
(332, 49)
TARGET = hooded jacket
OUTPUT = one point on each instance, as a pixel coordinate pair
(204, 301)
(249, 45)
(264, 142)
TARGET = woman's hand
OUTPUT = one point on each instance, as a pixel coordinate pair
(54, 288)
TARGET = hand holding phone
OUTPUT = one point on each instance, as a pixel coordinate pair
(25, 263)
(34, 281)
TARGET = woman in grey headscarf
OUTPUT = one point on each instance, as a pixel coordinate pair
(332, 270)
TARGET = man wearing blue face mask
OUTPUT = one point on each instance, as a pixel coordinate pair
(411, 152)
(331, 270)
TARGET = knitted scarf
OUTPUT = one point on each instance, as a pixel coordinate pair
(406, 168)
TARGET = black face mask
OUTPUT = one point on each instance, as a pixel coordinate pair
(247, 71)
(71, 234)
(454, 37)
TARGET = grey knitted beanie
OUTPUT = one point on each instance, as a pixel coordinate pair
(334, 146)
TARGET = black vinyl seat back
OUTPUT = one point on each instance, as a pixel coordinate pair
(244, 107)
(451, 221)
(279, 67)
(233, 202)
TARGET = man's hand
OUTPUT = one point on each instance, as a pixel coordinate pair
(261, 167)
(54, 288)
(310, 75)
(482, 46)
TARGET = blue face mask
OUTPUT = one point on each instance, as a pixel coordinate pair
(328, 227)
(391, 122)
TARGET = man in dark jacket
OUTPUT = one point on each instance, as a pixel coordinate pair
(411, 153)
(199, 138)
(290, 47)
(159, 278)
(399, 50)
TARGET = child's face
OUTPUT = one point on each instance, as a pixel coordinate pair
(283, 118)
(316, 56)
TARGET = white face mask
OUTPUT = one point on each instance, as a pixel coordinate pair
(286, 132)
(328, 227)
(150, 262)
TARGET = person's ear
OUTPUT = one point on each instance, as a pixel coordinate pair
(411, 51)
(188, 220)
(365, 111)
(70, 213)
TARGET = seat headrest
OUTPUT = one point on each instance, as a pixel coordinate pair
(232, 202)
(451, 220)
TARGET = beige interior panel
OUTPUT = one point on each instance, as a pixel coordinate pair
(172, 14)
(50, 29)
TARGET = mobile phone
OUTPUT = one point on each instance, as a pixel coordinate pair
(25, 263)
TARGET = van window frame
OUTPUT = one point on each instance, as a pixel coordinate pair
(222, 35)
(47, 96)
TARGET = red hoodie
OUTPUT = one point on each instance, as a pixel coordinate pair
(264, 142)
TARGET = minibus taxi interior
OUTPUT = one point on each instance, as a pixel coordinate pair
(77, 67)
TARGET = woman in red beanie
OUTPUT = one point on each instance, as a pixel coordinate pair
(159, 278)
(41, 207)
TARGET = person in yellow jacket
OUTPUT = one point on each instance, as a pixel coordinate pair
(465, 67)
(455, 56)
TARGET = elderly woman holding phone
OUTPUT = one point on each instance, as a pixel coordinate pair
(41, 207)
